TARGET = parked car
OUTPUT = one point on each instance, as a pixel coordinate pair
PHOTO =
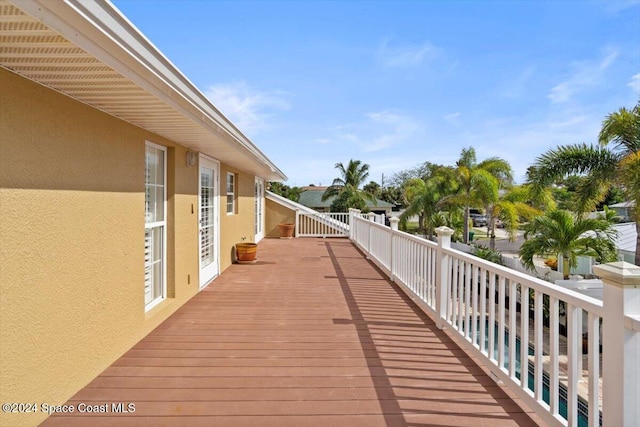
(478, 220)
(499, 223)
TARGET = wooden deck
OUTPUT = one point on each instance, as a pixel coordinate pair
(311, 335)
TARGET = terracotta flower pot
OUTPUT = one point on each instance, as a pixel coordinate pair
(246, 252)
(286, 230)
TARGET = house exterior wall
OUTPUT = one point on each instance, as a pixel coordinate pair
(238, 227)
(72, 206)
(276, 214)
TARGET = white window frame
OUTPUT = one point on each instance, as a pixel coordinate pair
(259, 206)
(232, 193)
(157, 224)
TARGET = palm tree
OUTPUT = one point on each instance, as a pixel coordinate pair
(428, 197)
(479, 182)
(602, 166)
(560, 233)
(346, 188)
(513, 204)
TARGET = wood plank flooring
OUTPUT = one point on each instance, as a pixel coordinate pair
(310, 335)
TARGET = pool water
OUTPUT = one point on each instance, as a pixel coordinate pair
(583, 406)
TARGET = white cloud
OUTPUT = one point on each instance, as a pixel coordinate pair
(521, 141)
(387, 130)
(406, 56)
(378, 131)
(618, 7)
(249, 109)
(519, 85)
(634, 83)
(586, 74)
(453, 118)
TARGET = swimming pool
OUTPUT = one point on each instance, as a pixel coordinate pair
(583, 406)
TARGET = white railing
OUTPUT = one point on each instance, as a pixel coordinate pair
(329, 224)
(541, 272)
(493, 309)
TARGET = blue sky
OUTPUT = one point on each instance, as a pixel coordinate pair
(398, 83)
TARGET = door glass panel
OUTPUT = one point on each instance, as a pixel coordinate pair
(207, 217)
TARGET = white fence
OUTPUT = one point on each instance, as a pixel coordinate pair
(328, 224)
(322, 224)
(496, 312)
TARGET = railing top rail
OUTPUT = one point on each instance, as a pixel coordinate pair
(572, 297)
(632, 322)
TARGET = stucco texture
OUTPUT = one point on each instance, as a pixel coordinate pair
(277, 214)
(240, 226)
(72, 241)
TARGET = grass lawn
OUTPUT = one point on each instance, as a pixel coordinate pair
(479, 234)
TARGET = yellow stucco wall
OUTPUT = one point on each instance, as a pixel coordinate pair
(277, 214)
(238, 227)
(72, 241)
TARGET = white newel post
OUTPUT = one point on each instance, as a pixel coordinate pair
(442, 274)
(372, 218)
(393, 223)
(352, 223)
(297, 228)
(620, 344)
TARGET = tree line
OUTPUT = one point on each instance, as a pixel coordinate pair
(562, 186)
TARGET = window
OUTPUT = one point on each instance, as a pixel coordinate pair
(259, 209)
(231, 193)
(155, 225)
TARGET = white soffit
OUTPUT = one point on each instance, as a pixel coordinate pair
(89, 51)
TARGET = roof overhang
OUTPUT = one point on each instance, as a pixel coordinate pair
(89, 51)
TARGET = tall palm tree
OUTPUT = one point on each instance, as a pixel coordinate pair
(346, 188)
(560, 233)
(602, 165)
(428, 197)
(479, 182)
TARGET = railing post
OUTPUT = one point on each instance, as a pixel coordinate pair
(442, 275)
(621, 344)
(297, 223)
(393, 223)
(352, 223)
(372, 218)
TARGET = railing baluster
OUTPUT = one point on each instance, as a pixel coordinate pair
(461, 296)
(483, 310)
(474, 305)
(501, 321)
(467, 300)
(421, 270)
(524, 336)
(513, 312)
(454, 292)
(491, 346)
(572, 367)
(538, 344)
(594, 369)
(554, 351)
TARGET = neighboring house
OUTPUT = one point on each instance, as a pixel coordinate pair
(626, 241)
(312, 198)
(624, 210)
(123, 192)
